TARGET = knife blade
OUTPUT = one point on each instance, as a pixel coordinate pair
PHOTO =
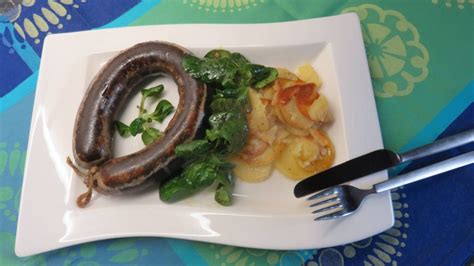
(361, 166)
(374, 162)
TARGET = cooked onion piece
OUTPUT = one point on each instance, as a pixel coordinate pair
(268, 136)
(266, 158)
(319, 110)
(292, 115)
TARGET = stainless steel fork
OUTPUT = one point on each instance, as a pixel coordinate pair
(343, 200)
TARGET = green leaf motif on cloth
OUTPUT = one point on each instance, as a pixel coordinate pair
(37, 25)
(88, 250)
(229, 255)
(14, 159)
(7, 255)
(397, 58)
(125, 256)
(119, 251)
(6, 200)
(11, 161)
(460, 4)
(3, 157)
(121, 244)
(222, 5)
(9, 203)
(83, 255)
(6, 193)
(126, 251)
(88, 263)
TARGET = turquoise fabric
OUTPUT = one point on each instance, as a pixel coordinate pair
(422, 67)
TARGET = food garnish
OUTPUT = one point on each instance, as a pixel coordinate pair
(142, 124)
(231, 75)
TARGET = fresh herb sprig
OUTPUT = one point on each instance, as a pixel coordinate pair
(231, 75)
(142, 124)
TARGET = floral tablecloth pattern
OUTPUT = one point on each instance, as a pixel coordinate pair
(421, 59)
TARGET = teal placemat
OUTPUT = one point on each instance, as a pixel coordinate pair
(422, 66)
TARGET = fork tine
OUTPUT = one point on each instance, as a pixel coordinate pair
(332, 207)
(323, 193)
(330, 200)
(331, 215)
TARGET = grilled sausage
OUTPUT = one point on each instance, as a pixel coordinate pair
(104, 98)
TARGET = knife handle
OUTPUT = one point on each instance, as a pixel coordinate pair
(425, 172)
(439, 146)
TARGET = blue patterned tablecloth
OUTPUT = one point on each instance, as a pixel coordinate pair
(422, 65)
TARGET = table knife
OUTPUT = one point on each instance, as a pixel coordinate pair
(374, 162)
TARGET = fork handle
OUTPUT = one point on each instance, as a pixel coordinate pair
(425, 172)
(439, 146)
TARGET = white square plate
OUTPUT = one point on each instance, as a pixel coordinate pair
(264, 215)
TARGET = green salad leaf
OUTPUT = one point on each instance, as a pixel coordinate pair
(150, 134)
(230, 75)
(136, 127)
(197, 174)
(153, 92)
(122, 129)
(230, 70)
(191, 149)
(228, 132)
(141, 124)
(162, 110)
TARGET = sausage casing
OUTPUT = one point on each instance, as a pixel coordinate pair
(108, 93)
